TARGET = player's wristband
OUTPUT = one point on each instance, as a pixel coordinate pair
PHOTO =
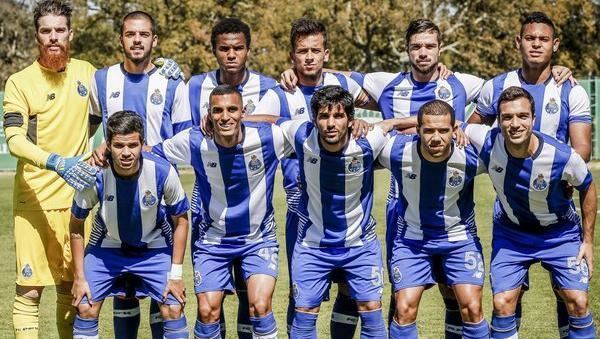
(176, 272)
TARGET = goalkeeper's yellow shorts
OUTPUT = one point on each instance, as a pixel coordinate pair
(42, 247)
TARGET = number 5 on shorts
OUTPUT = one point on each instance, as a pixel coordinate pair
(474, 262)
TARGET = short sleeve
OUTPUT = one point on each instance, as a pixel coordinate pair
(375, 83)
(177, 149)
(269, 104)
(283, 147)
(477, 134)
(377, 139)
(385, 157)
(174, 195)
(181, 116)
(353, 87)
(576, 172)
(290, 128)
(485, 103)
(579, 106)
(472, 85)
(83, 202)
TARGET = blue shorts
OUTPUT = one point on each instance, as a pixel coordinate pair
(213, 264)
(312, 272)
(114, 271)
(411, 264)
(511, 259)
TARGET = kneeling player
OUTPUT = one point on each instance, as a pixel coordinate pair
(235, 174)
(435, 221)
(534, 217)
(131, 236)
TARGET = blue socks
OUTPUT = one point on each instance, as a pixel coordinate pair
(85, 328)
(518, 314)
(453, 327)
(398, 331)
(291, 309)
(156, 320)
(344, 317)
(176, 329)
(480, 330)
(222, 321)
(372, 325)
(304, 326)
(126, 317)
(562, 318)
(207, 331)
(264, 327)
(503, 327)
(582, 327)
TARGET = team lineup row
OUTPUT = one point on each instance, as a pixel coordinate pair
(136, 249)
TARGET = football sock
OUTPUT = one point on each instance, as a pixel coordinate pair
(392, 309)
(562, 317)
(304, 326)
(26, 313)
(156, 320)
(291, 309)
(344, 317)
(244, 326)
(372, 325)
(453, 327)
(126, 317)
(504, 327)
(85, 328)
(207, 331)
(222, 326)
(480, 330)
(398, 331)
(264, 327)
(65, 315)
(518, 314)
(582, 327)
(176, 328)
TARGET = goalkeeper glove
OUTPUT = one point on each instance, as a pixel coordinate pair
(78, 174)
(168, 68)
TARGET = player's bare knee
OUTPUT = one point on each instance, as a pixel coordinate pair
(406, 312)
(87, 311)
(29, 292)
(208, 313)
(260, 308)
(171, 312)
(577, 304)
(368, 305)
(505, 303)
(472, 311)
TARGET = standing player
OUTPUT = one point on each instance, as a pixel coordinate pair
(534, 217)
(45, 118)
(136, 85)
(235, 174)
(230, 40)
(309, 53)
(435, 221)
(562, 110)
(131, 238)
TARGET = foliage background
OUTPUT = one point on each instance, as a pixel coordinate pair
(364, 35)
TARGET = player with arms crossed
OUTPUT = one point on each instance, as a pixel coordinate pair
(230, 40)
(235, 174)
(435, 221)
(131, 236)
(137, 85)
(562, 109)
(534, 217)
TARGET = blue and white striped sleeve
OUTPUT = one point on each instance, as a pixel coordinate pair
(83, 202)
(472, 85)
(174, 195)
(269, 104)
(477, 134)
(181, 116)
(385, 157)
(579, 106)
(289, 129)
(375, 83)
(485, 102)
(283, 147)
(176, 150)
(576, 172)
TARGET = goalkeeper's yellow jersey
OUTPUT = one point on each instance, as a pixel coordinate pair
(51, 110)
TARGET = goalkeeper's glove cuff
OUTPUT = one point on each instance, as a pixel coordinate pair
(53, 162)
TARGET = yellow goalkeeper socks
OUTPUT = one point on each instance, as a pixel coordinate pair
(26, 312)
(65, 315)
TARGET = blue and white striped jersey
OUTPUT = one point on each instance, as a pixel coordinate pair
(130, 211)
(555, 106)
(234, 185)
(435, 199)
(336, 188)
(162, 103)
(296, 105)
(200, 86)
(399, 95)
(530, 191)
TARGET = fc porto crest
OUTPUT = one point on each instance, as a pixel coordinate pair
(403, 92)
(250, 106)
(396, 274)
(255, 164)
(295, 290)
(27, 272)
(300, 111)
(149, 199)
(81, 89)
(156, 98)
(443, 93)
(552, 106)
(197, 278)
(540, 184)
(455, 179)
(355, 165)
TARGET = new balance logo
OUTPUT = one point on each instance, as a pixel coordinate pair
(411, 176)
(51, 96)
(498, 169)
(109, 197)
(115, 95)
(211, 164)
(313, 160)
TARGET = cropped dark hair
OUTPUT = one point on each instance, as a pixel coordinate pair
(139, 15)
(514, 93)
(229, 25)
(436, 107)
(329, 96)
(52, 7)
(422, 26)
(304, 27)
(123, 123)
(536, 18)
(222, 90)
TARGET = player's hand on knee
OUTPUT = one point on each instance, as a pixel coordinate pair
(176, 288)
(79, 290)
(360, 128)
(76, 172)
(562, 74)
(445, 72)
(586, 252)
(168, 68)
(288, 80)
(99, 156)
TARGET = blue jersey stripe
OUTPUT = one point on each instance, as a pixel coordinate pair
(195, 92)
(332, 178)
(562, 131)
(201, 185)
(459, 100)
(386, 101)
(135, 92)
(100, 77)
(466, 204)
(128, 215)
(433, 183)
(366, 192)
(269, 157)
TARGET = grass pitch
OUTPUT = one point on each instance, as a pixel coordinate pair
(539, 316)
